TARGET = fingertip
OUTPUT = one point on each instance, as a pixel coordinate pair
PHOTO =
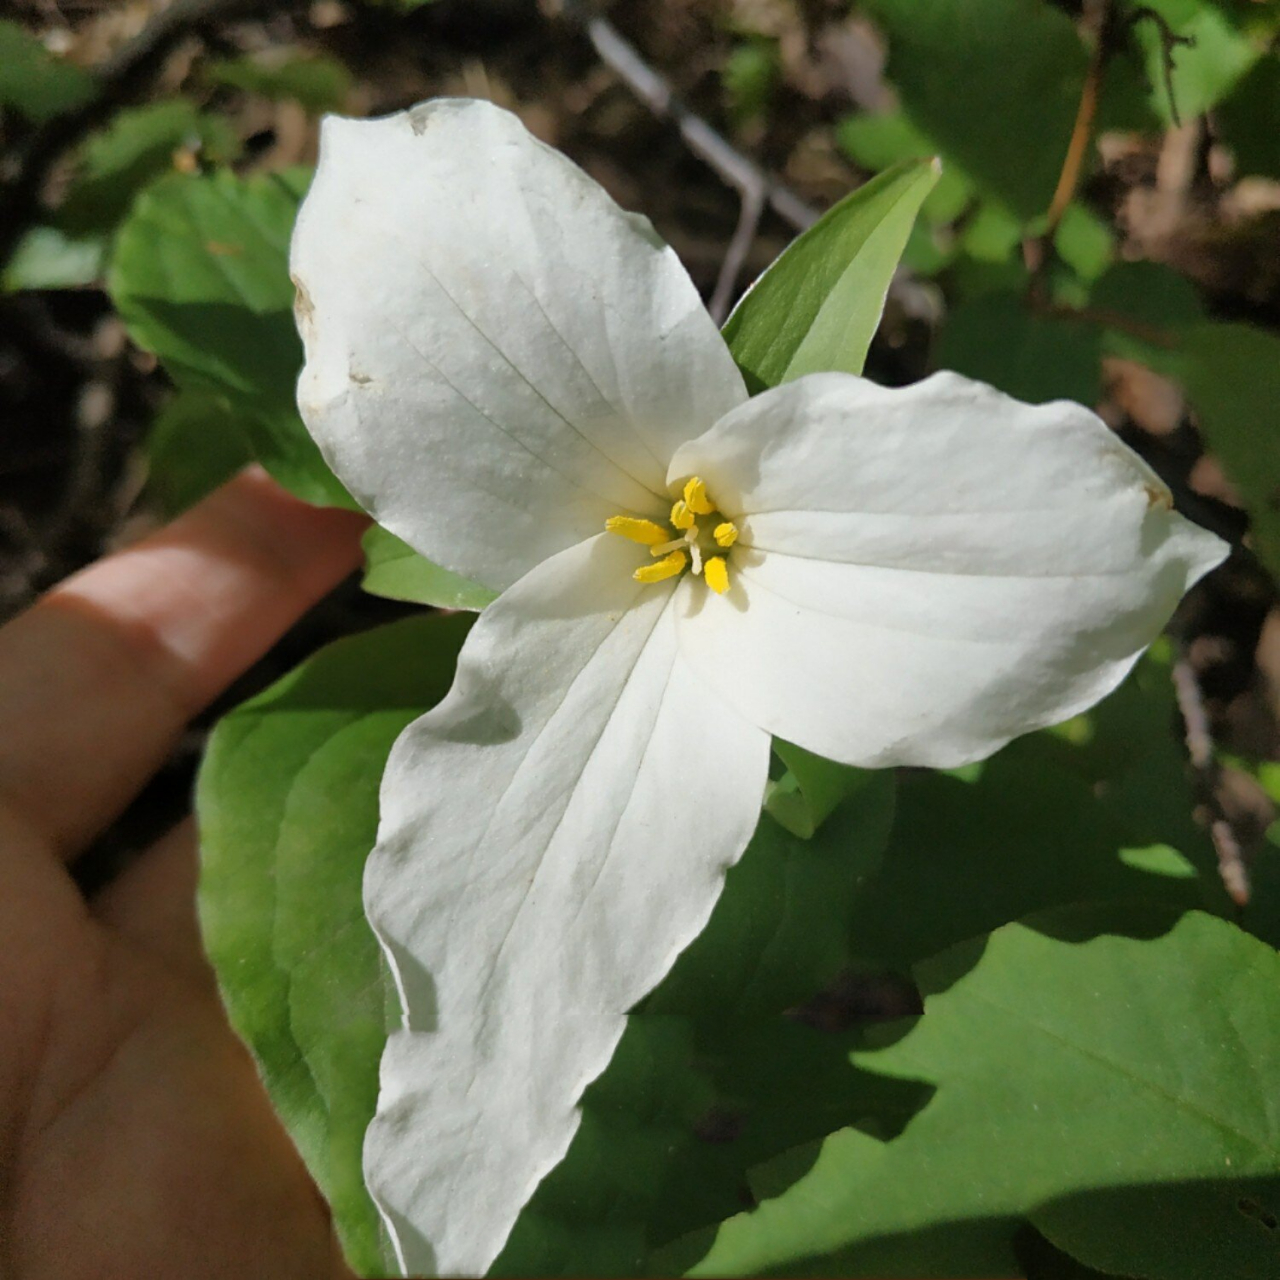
(253, 498)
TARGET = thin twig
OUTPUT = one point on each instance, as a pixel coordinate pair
(739, 171)
(735, 255)
(756, 187)
(1169, 42)
(120, 79)
(1082, 129)
(1208, 772)
(1038, 252)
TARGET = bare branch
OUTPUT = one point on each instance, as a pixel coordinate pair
(751, 182)
(735, 256)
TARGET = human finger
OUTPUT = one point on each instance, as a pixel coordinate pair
(98, 678)
(152, 904)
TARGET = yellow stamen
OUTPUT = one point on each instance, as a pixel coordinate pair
(644, 532)
(681, 515)
(667, 567)
(725, 534)
(716, 573)
(695, 497)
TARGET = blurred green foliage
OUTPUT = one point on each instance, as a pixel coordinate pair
(35, 83)
(317, 83)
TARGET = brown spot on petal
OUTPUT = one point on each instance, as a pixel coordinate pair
(303, 308)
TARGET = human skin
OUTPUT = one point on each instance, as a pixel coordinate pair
(136, 1139)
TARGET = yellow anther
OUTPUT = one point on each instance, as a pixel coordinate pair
(681, 515)
(725, 534)
(667, 567)
(644, 532)
(716, 573)
(695, 497)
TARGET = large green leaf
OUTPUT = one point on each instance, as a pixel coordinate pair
(200, 276)
(709, 1079)
(997, 338)
(1097, 809)
(817, 307)
(393, 569)
(780, 933)
(287, 801)
(35, 83)
(1131, 752)
(1112, 1072)
(995, 85)
(288, 806)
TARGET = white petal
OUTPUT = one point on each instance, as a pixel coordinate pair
(498, 357)
(926, 573)
(553, 834)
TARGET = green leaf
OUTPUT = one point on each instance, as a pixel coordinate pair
(670, 1137)
(995, 86)
(48, 258)
(780, 933)
(992, 234)
(709, 1080)
(1098, 809)
(1215, 55)
(1028, 834)
(1084, 242)
(1232, 376)
(200, 276)
(35, 83)
(1249, 119)
(749, 76)
(879, 141)
(817, 307)
(1149, 296)
(135, 148)
(810, 789)
(195, 443)
(997, 338)
(288, 804)
(1111, 1072)
(1129, 752)
(395, 570)
(318, 83)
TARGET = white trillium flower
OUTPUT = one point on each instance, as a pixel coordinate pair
(520, 380)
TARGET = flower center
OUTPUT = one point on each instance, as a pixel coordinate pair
(675, 549)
